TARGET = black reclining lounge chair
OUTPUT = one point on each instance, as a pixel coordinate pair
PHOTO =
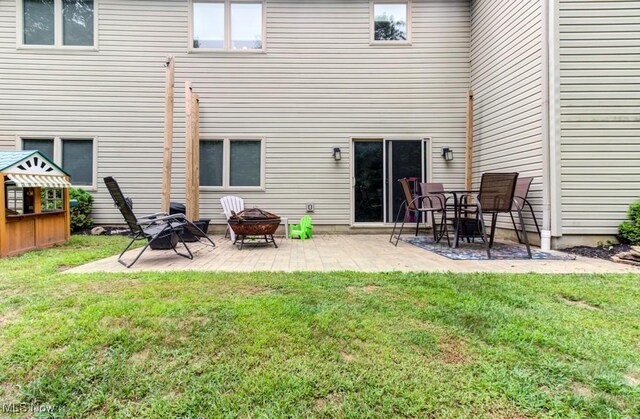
(154, 227)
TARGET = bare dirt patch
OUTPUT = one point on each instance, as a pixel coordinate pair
(579, 303)
(139, 358)
(8, 317)
(62, 268)
(322, 403)
(581, 390)
(633, 378)
(347, 357)
(453, 351)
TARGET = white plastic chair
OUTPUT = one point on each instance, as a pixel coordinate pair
(229, 204)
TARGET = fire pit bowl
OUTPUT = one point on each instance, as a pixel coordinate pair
(254, 222)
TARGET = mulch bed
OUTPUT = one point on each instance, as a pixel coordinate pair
(606, 252)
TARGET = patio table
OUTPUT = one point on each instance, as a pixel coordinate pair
(457, 213)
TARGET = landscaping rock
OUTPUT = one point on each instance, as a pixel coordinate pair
(629, 258)
(97, 231)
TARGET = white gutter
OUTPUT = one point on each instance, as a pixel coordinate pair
(545, 240)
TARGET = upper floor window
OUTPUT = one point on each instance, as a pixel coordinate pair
(58, 23)
(391, 21)
(227, 25)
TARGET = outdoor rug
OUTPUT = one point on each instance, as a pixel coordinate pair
(477, 251)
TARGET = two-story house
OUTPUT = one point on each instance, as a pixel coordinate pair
(283, 84)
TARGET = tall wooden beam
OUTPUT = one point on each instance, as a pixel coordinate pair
(188, 149)
(195, 177)
(469, 150)
(169, 100)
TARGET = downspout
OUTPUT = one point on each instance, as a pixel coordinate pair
(545, 239)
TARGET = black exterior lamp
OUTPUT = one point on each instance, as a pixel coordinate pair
(447, 154)
(337, 154)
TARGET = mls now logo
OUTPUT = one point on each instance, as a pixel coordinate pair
(26, 408)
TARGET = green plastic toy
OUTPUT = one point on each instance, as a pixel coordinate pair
(304, 230)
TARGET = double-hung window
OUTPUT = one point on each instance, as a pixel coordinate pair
(390, 22)
(57, 23)
(77, 156)
(232, 164)
(227, 25)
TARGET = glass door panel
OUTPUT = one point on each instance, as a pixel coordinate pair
(404, 160)
(369, 181)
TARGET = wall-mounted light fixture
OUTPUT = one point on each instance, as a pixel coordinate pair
(337, 154)
(447, 154)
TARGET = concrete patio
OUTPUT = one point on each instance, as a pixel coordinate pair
(364, 253)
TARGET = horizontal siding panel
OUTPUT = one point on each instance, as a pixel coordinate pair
(600, 107)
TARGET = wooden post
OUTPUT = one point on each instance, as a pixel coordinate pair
(196, 157)
(469, 151)
(67, 211)
(3, 218)
(188, 150)
(169, 98)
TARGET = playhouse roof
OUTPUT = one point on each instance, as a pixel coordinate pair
(28, 162)
(31, 169)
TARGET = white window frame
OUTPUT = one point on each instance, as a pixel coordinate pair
(372, 23)
(227, 28)
(226, 165)
(57, 152)
(58, 29)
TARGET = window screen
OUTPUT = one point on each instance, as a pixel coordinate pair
(38, 19)
(77, 160)
(211, 166)
(245, 162)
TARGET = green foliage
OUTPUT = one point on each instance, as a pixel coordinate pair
(630, 229)
(81, 215)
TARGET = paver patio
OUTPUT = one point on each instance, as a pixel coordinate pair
(365, 253)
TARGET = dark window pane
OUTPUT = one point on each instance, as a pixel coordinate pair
(390, 22)
(211, 163)
(245, 163)
(38, 22)
(43, 146)
(77, 17)
(77, 160)
(208, 25)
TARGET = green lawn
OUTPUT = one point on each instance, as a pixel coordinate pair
(341, 344)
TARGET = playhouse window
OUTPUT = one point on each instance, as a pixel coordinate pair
(52, 200)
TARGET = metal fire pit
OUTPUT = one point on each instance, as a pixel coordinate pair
(254, 223)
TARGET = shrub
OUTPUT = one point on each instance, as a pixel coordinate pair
(630, 229)
(81, 215)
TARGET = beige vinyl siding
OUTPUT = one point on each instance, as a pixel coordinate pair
(506, 79)
(318, 85)
(600, 113)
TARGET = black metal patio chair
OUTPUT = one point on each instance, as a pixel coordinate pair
(520, 200)
(496, 196)
(153, 228)
(420, 205)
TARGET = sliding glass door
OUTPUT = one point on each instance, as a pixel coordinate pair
(377, 166)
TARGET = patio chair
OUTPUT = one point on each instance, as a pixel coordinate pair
(153, 227)
(496, 196)
(304, 230)
(417, 205)
(436, 190)
(231, 205)
(520, 200)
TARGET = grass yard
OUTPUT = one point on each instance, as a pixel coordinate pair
(305, 344)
